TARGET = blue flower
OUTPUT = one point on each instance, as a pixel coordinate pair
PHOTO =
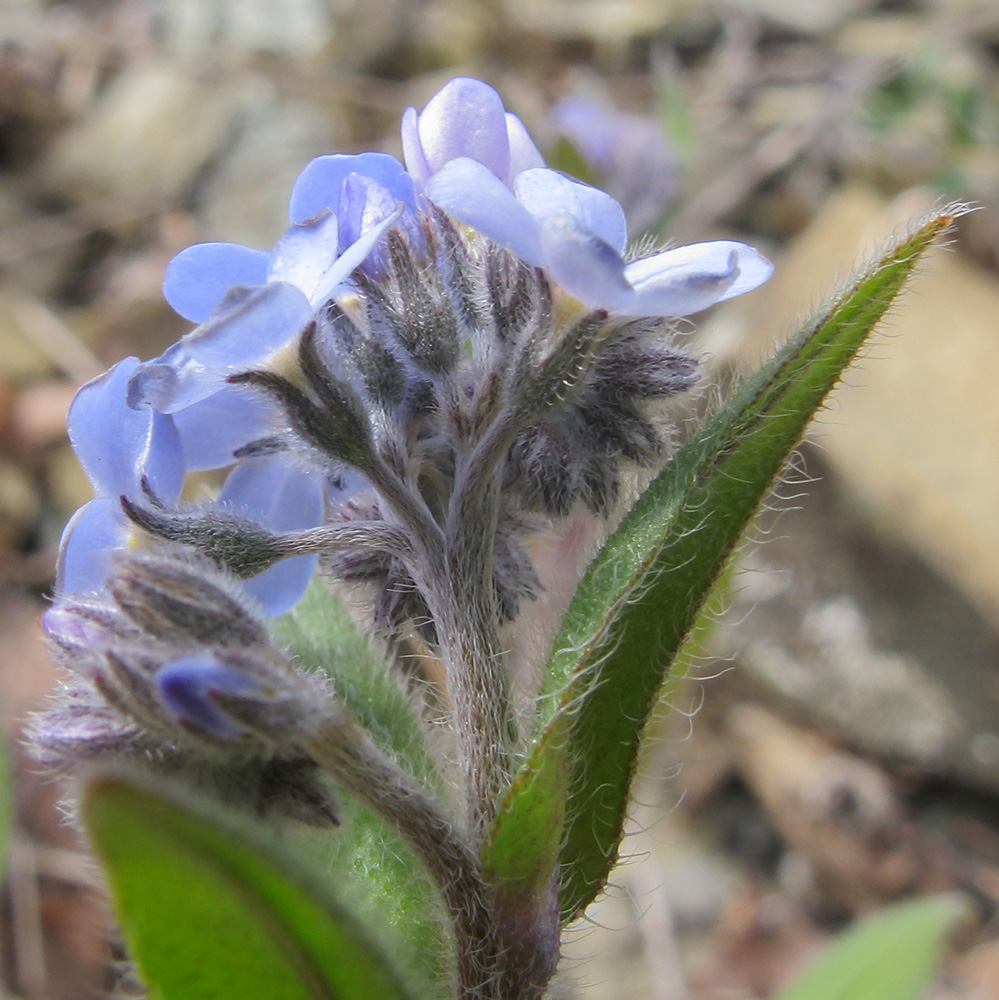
(127, 451)
(252, 303)
(476, 161)
(578, 234)
(371, 385)
(118, 447)
(466, 118)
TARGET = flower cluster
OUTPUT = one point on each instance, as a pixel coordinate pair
(172, 668)
(436, 357)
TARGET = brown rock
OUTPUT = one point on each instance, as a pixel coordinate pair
(836, 810)
(152, 130)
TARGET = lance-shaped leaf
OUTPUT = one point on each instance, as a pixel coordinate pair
(641, 594)
(369, 861)
(210, 911)
(892, 955)
(321, 634)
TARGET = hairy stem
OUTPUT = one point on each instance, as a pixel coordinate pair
(477, 673)
(346, 752)
(349, 536)
(408, 506)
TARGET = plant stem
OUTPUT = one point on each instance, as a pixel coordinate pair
(345, 751)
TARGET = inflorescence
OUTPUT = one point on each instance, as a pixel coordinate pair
(436, 359)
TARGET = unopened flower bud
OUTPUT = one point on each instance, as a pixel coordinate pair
(188, 687)
(76, 629)
(167, 594)
(174, 670)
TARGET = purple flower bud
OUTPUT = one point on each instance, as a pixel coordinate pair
(187, 686)
(73, 628)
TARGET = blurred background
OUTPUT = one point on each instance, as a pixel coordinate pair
(835, 745)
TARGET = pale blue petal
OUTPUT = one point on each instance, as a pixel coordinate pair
(319, 184)
(353, 257)
(305, 252)
(275, 491)
(364, 204)
(546, 192)
(465, 118)
(279, 494)
(412, 151)
(690, 278)
(472, 194)
(162, 459)
(524, 155)
(187, 685)
(214, 428)
(198, 277)
(281, 587)
(93, 535)
(118, 445)
(582, 263)
(249, 326)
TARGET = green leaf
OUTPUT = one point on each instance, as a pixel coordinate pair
(390, 890)
(370, 862)
(521, 851)
(210, 911)
(892, 955)
(321, 634)
(641, 595)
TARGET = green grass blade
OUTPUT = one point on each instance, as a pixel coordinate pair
(211, 911)
(642, 593)
(891, 955)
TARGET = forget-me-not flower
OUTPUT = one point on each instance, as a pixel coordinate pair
(437, 360)
(475, 162)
